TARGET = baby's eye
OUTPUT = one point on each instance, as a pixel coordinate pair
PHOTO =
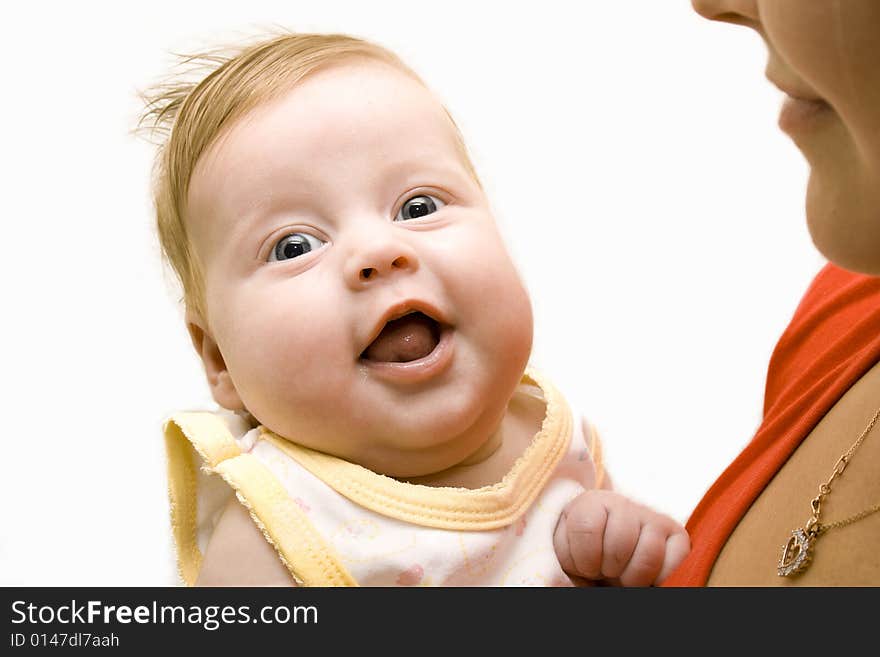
(293, 245)
(419, 206)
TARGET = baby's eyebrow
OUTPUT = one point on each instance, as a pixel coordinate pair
(260, 208)
(412, 173)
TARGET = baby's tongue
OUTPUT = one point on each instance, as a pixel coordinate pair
(409, 338)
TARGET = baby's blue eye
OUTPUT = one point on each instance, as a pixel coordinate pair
(294, 245)
(419, 206)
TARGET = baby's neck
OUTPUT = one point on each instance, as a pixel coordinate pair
(496, 456)
(488, 448)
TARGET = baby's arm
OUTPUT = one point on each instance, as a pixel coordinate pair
(239, 555)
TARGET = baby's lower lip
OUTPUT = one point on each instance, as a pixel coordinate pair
(416, 371)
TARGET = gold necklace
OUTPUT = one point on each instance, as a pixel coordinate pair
(798, 550)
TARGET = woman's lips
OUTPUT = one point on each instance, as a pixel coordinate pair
(800, 115)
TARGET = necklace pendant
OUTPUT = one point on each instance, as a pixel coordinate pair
(796, 553)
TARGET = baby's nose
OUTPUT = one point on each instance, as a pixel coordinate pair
(380, 257)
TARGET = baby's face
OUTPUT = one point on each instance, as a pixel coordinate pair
(359, 294)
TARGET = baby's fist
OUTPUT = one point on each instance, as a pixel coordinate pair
(605, 537)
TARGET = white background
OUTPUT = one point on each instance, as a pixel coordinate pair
(630, 150)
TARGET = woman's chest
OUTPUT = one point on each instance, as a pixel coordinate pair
(847, 555)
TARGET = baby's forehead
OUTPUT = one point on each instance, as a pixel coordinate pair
(344, 112)
(352, 99)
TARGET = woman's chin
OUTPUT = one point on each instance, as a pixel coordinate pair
(843, 211)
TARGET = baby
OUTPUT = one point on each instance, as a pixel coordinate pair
(363, 326)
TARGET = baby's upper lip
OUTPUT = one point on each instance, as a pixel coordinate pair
(398, 310)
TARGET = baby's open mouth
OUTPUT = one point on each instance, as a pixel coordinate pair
(407, 338)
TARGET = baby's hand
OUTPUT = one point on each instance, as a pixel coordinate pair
(607, 538)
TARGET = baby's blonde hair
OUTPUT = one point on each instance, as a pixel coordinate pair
(189, 114)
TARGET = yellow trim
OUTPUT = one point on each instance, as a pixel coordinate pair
(310, 561)
(182, 497)
(483, 508)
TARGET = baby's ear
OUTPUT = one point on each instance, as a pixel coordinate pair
(222, 387)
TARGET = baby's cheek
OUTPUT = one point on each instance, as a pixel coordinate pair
(274, 348)
(496, 290)
(496, 313)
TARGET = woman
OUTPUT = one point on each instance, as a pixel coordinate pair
(799, 505)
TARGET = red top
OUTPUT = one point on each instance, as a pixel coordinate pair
(832, 340)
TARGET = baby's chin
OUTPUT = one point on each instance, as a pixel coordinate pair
(403, 440)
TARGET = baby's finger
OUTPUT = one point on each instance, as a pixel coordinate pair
(677, 547)
(560, 545)
(647, 558)
(583, 526)
(620, 540)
